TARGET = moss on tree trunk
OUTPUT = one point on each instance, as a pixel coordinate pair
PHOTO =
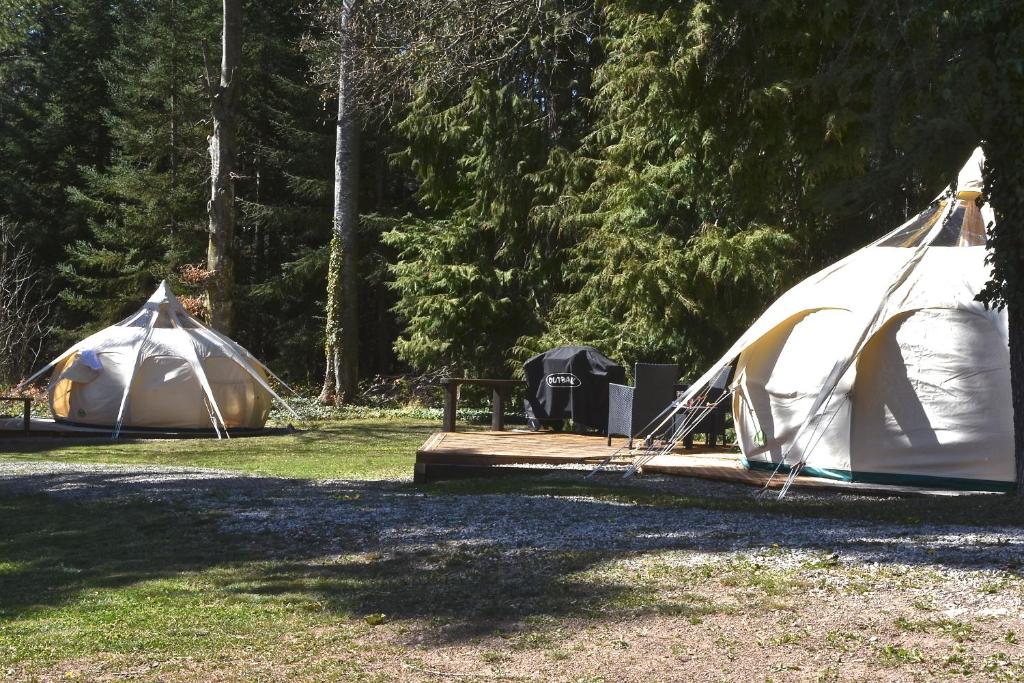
(342, 333)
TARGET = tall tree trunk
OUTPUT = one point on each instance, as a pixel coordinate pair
(221, 208)
(173, 21)
(342, 332)
(1004, 188)
(1017, 389)
(382, 358)
(1005, 182)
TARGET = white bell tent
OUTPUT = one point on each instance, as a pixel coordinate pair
(883, 367)
(160, 368)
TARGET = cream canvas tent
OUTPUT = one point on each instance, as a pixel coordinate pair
(159, 368)
(883, 368)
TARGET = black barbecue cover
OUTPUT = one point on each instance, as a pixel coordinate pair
(572, 381)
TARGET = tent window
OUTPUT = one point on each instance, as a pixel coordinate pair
(964, 227)
(916, 230)
(949, 235)
(139, 319)
(162, 319)
(972, 234)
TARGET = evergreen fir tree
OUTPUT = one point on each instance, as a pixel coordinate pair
(474, 271)
(737, 146)
(286, 151)
(147, 208)
(52, 96)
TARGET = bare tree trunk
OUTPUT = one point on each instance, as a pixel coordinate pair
(173, 21)
(1017, 390)
(342, 333)
(221, 208)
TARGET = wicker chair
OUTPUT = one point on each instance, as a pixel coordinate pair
(632, 409)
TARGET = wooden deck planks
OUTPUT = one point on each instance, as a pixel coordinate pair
(444, 453)
(449, 455)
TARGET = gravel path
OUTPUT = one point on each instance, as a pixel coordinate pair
(339, 515)
(877, 601)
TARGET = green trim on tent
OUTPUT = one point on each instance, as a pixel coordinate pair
(921, 480)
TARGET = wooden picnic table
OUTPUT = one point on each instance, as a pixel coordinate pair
(26, 409)
(500, 389)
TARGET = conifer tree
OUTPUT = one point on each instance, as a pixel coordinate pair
(146, 207)
(283, 196)
(736, 147)
(397, 48)
(466, 273)
(52, 98)
(474, 271)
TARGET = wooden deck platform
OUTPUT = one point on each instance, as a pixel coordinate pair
(454, 455)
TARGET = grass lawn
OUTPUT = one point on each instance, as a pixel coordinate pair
(168, 589)
(354, 449)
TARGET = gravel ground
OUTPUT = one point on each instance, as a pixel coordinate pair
(373, 515)
(955, 588)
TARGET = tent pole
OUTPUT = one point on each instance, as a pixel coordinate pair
(248, 368)
(49, 366)
(843, 364)
(131, 375)
(204, 382)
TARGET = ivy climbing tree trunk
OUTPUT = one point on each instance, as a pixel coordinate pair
(342, 328)
(1004, 188)
(220, 260)
(1004, 181)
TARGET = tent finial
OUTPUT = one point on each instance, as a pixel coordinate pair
(970, 183)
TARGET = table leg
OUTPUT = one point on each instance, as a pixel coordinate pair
(497, 410)
(451, 398)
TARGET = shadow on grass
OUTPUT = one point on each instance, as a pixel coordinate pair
(464, 593)
(55, 550)
(472, 562)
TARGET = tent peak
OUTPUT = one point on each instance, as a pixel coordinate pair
(970, 183)
(166, 308)
(954, 219)
(163, 294)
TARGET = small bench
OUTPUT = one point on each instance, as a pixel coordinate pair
(500, 389)
(26, 409)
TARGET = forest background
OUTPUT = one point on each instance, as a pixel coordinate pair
(641, 175)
